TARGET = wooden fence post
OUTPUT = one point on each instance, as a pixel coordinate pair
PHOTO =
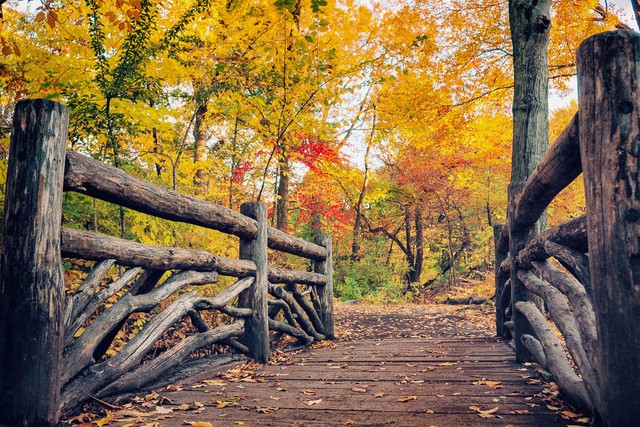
(609, 88)
(500, 280)
(325, 293)
(31, 282)
(256, 335)
(518, 239)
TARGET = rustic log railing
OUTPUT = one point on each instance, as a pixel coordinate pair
(593, 295)
(56, 353)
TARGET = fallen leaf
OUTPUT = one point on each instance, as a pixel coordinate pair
(104, 421)
(312, 402)
(215, 382)
(199, 423)
(308, 392)
(359, 390)
(567, 415)
(163, 410)
(267, 409)
(408, 398)
(82, 418)
(349, 422)
(381, 394)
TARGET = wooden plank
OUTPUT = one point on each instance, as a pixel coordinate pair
(338, 383)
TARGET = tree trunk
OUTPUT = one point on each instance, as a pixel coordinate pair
(355, 246)
(282, 203)
(31, 277)
(529, 22)
(200, 147)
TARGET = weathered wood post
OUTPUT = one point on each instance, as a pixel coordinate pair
(256, 335)
(609, 91)
(325, 293)
(518, 239)
(31, 281)
(500, 279)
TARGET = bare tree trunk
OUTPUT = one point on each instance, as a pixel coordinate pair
(417, 269)
(200, 147)
(530, 22)
(282, 203)
(355, 246)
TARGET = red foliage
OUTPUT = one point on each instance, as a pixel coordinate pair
(240, 171)
(313, 151)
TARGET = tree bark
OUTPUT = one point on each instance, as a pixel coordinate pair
(31, 277)
(256, 334)
(200, 146)
(564, 319)
(608, 69)
(530, 23)
(325, 293)
(282, 195)
(570, 384)
(559, 168)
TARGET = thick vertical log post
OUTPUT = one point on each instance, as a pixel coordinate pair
(518, 239)
(256, 335)
(609, 90)
(500, 280)
(325, 293)
(31, 282)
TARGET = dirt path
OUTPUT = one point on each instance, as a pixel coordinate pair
(398, 366)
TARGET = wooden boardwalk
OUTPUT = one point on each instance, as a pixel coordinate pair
(463, 378)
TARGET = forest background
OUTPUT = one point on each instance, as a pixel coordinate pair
(385, 124)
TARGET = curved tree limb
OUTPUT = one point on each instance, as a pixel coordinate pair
(93, 302)
(579, 300)
(565, 321)
(570, 384)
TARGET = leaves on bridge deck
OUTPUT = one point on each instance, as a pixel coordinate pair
(418, 378)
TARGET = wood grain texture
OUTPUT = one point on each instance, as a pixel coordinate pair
(97, 247)
(256, 333)
(518, 239)
(32, 284)
(97, 179)
(325, 294)
(609, 89)
(559, 168)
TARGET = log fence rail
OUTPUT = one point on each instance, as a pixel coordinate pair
(54, 352)
(586, 270)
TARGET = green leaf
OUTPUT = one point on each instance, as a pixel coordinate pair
(309, 39)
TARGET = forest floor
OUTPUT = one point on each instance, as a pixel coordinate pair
(399, 365)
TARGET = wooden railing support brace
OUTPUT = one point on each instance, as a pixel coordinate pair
(518, 239)
(325, 293)
(256, 335)
(608, 69)
(31, 282)
(500, 280)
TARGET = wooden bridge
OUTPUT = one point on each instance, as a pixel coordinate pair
(53, 350)
(397, 366)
